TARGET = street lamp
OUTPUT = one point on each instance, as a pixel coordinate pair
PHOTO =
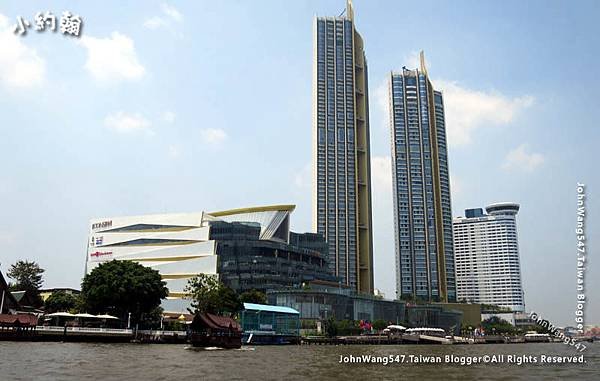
(254, 261)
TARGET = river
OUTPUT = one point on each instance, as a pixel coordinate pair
(105, 362)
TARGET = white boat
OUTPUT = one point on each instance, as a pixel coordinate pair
(534, 337)
(427, 331)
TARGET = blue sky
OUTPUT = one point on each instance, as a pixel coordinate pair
(188, 106)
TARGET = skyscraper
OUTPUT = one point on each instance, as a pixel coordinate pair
(486, 249)
(341, 153)
(422, 210)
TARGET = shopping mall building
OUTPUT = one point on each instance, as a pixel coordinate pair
(249, 248)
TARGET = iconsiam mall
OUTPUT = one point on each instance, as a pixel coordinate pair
(249, 248)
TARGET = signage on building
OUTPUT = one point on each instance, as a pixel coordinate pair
(99, 254)
(102, 225)
(96, 241)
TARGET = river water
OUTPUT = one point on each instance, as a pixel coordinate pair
(88, 361)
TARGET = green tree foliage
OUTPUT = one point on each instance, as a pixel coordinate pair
(308, 324)
(60, 301)
(348, 328)
(27, 276)
(497, 325)
(209, 295)
(122, 287)
(330, 327)
(151, 319)
(494, 308)
(253, 296)
(379, 324)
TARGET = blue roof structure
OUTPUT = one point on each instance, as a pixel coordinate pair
(269, 308)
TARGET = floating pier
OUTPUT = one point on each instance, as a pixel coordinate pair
(375, 340)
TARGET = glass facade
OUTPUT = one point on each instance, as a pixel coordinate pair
(270, 321)
(342, 204)
(421, 185)
(247, 262)
(343, 305)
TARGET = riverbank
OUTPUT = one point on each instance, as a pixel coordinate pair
(108, 335)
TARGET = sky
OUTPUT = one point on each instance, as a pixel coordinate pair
(187, 106)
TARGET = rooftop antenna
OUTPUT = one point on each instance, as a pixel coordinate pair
(422, 59)
(350, 10)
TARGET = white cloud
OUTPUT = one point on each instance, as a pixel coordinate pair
(20, 65)
(170, 15)
(468, 110)
(520, 159)
(113, 58)
(172, 12)
(127, 123)
(155, 22)
(168, 117)
(213, 135)
(382, 98)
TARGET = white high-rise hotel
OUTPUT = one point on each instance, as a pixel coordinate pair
(486, 254)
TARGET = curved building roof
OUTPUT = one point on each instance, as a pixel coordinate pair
(274, 220)
(270, 308)
(255, 209)
(502, 208)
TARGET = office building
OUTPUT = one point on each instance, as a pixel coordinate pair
(249, 248)
(421, 189)
(341, 153)
(486, 252)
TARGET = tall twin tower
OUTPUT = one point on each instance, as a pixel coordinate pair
(342, 168)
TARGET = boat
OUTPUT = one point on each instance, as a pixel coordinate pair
(438, 332)
(534, 337)
(208, 330)
(394, 330)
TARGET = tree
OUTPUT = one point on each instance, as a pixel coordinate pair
(152, 319)
(494, 308)
(330, 327)
(60, 301)
(348, 327)
(27, 276)
(379, 324)
(209, 295)
(253, 296)
(122, 287)
(497, 325)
